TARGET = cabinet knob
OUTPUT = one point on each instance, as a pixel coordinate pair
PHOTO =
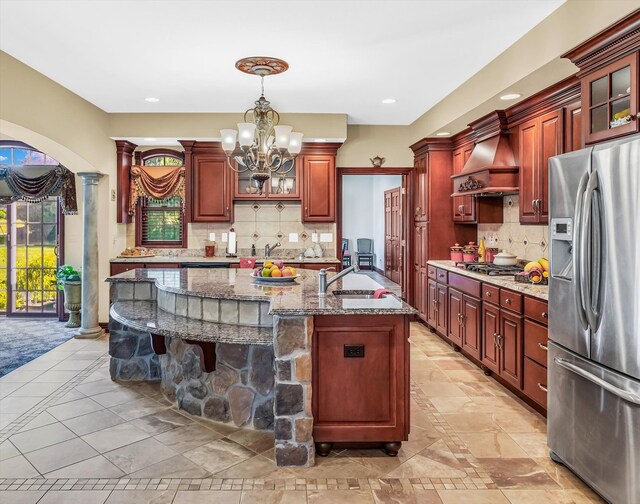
(542, 387)
(488, 294)
(545, 314)
(507, 301)
(544, 347)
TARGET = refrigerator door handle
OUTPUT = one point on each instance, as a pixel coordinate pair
(596, 264)
(577, 256)
(623, 394)
(588, 244)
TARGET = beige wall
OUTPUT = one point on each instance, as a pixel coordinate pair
(365, 142)
(36, 110)
(529, 65)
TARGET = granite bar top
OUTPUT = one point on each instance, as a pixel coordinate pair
(173, 259)
(146, 316)
(297, 298)
(536, 291)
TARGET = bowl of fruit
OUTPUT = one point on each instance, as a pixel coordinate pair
(274, 271)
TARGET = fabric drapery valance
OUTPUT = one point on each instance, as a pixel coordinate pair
(56, 181)
(155, 182)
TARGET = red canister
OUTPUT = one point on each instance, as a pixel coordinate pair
(456, 253)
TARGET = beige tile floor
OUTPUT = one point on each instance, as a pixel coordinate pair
(79, 437)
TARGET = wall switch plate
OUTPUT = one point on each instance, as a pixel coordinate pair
(113, 194)
(212, 237)
(326, 237)
(225, 237)
(314, 237)
(293, 237)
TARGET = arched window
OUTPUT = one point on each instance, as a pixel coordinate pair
(160, 222)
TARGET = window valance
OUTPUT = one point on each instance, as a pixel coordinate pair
(55, 181)
(155, 182)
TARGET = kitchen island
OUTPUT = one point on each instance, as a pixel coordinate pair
(313, 368)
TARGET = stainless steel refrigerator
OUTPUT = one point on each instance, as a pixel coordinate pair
(594, 317)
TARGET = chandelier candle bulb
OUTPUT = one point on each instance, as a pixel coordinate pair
(246, 132)
(295, 142)
(229, 138)
(282, 136)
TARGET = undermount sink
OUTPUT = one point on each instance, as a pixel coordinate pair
(356, 295)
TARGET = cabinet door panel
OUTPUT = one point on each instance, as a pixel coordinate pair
(550, 145)
(511, 354)
(432, 299)
(573, 133)
(490, 328)
(443, 309)
(455, 310)
(472, 323)
(529, 161)
(211, 190)
(319, 189)
(423, 293)
(420, 188)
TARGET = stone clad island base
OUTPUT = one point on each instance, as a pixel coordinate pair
(232, 351)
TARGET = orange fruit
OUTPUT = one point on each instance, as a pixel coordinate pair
(276, 273)
(286, 272)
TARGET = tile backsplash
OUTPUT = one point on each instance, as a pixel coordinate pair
(527, 242)
(258, 223)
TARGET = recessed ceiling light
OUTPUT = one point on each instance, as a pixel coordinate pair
(510, 96)
(443, 133)
(152, 99)
(388, 101)
(150, 139)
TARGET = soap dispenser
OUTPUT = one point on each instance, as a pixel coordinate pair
(253, 250)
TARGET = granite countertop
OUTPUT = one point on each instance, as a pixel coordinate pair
(299, 297)
(146, 316)
(220, 260)
(537, 291)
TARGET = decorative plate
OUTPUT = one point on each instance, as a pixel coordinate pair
(272, 279)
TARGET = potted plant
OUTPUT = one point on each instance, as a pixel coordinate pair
(68, 279)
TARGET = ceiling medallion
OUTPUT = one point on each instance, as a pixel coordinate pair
(260, 145)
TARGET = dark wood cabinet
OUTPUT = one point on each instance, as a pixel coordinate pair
(281, 186)
(360, 398)
(432, 302)
(454, 324)
(420, 186)
(464, 207)
(319, 188)
(609, 79)
(442, 308)
(573, 132)
(471, 325)
(539, 139)
(510, 346)
(117, 267)
(420, 255)
(536, 340)
(490, 329)
(610, 100)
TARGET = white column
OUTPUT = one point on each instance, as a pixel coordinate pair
(89, 327)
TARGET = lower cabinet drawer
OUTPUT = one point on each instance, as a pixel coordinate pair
(535, 382)
(535, 341)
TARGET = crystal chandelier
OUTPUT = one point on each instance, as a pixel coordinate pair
(260, 145)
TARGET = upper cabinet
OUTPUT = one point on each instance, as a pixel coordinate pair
(208, 181)
(284, 184)
(319, 182)
(608, 64)
(420, 187)
(538, 140)
(464, 207)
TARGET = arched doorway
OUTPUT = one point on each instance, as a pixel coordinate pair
(30, 238)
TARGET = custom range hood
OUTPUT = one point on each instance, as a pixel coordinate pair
(491, 170)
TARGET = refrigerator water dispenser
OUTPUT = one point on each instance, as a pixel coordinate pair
(561, 248)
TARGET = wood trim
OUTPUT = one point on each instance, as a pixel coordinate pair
(104, 326)
(188, 147)
(319, 148)
(430, 144)
(556, 96)
(124, 160)
(615, 41)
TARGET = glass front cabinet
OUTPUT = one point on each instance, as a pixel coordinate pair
(283, 185)
(610, 99)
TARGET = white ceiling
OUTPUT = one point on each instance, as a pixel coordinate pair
(345, 56)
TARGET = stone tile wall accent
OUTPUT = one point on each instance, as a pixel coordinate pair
(132, 358)
(240, 391)
(293, 413)
(256, 223)
(527, 242)
(226, 311)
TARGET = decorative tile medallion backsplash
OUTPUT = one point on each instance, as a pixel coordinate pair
(258, 224)
(527, 242)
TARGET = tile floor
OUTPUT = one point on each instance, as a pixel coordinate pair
(69, 434)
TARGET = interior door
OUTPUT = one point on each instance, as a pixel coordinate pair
(388, 243)
(396, 233)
